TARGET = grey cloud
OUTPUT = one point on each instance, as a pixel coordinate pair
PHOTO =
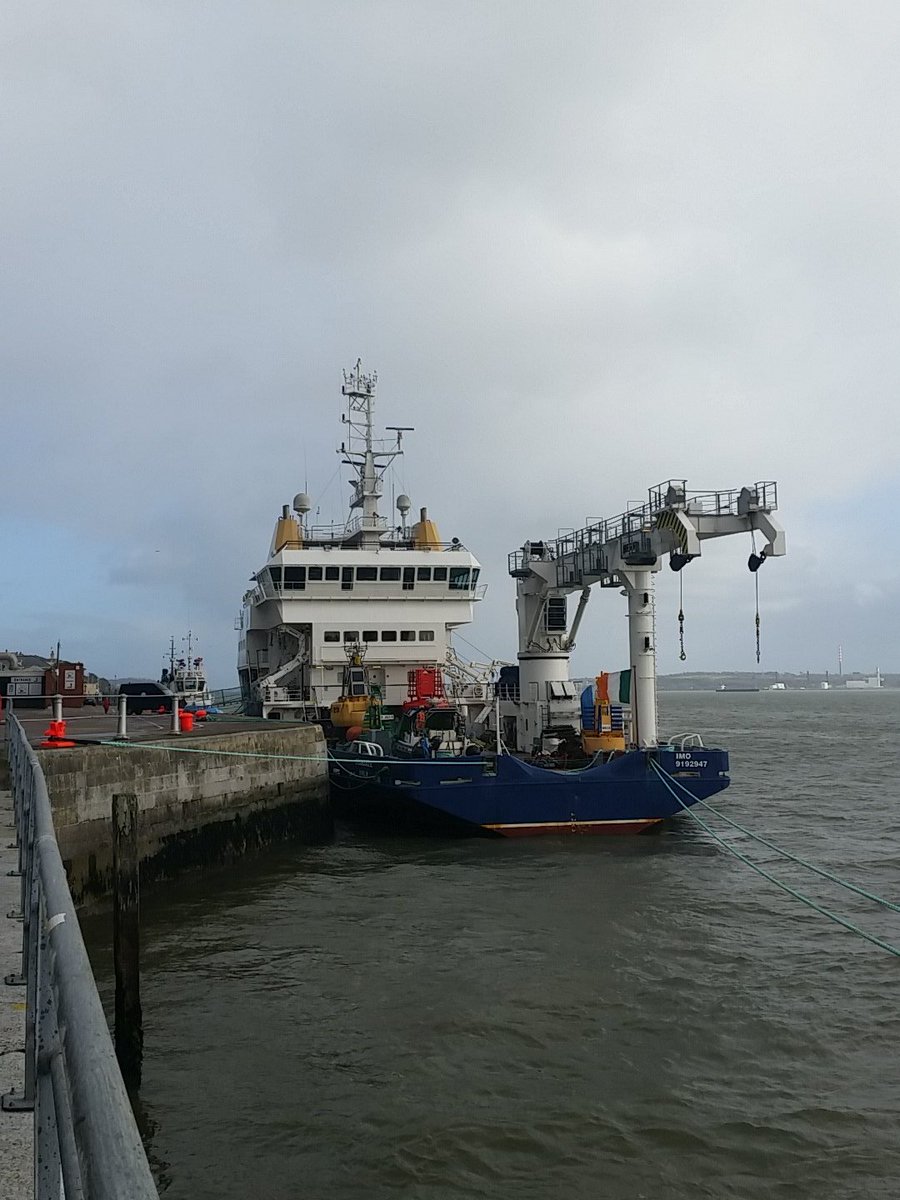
(588, 247)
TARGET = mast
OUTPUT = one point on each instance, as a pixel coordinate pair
(368, 456)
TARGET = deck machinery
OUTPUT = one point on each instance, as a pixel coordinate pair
(624, 552)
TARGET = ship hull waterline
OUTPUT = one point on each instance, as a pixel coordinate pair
(507, 797)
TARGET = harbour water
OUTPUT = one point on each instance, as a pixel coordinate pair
(577, 1017)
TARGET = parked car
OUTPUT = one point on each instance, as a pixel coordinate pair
(146, 696)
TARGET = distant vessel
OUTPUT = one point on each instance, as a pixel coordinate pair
(186, 677)
(777, 687)
(728, 687)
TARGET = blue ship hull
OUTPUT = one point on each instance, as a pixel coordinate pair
(509, 797)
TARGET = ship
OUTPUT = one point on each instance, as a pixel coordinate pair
(384, 588)
(185, 677)
(542, 756)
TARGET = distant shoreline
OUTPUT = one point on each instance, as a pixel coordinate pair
(709, 681)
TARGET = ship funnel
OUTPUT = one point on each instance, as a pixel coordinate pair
(424, 533)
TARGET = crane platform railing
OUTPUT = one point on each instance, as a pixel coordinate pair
(583, 552)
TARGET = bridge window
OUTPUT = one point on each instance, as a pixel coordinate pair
(351, 635)
(332, 573)
(390, 574)
(295, 578)
(346, 579)
(366, 574)
(389, 635)
(314, 573)
(439, 575)
(331, 635)
(460, 578)
(275, 572)
(370, 635)
(426, 635)
(423, 574)
(407, 635)
(409, 578)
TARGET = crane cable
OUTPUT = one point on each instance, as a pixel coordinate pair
(785, 887)
(682, 655)
(756, 589)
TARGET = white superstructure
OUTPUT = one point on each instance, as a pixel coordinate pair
(397, 591)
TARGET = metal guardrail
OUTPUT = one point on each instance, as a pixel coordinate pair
(87, 1145)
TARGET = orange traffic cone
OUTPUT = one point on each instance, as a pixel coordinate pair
(55, 736)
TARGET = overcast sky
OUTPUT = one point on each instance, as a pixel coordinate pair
(587, 246)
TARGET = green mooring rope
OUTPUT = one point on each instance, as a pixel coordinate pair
(844, 883)
(785, 887)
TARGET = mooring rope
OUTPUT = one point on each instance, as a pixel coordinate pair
(328, 756)
(119, 745)
(844, 883)
(785, 887)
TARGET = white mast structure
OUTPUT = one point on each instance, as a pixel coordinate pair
(624, 552)
(368, 456)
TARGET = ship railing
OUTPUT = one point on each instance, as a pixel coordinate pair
(275, 693)
(685, 741)
(86, 1141)
(393, 539)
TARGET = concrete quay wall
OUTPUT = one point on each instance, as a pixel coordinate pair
(195, 805)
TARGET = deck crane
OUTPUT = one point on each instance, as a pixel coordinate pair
(623, 553)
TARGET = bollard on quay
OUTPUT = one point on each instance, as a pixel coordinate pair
(122, 728)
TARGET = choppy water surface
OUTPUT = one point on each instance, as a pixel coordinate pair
(575, 1017)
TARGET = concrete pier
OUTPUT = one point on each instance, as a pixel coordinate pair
(16, 1128)
(202, 798)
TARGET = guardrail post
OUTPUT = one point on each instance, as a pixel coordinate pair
(126, 938)
(57, 707)
(46, 1125)
(122, 729)
(176, 726)
(13, 1101)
